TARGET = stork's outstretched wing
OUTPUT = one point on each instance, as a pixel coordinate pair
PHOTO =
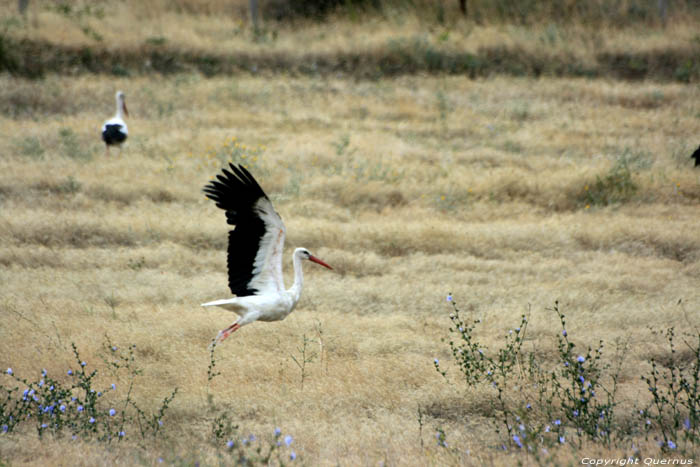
(255, 245)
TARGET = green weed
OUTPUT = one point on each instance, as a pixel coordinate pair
(539, 405)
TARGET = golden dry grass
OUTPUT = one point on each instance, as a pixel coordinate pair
(411, 188)
(217, 34)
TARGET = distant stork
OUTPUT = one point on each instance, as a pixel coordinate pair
(696, 156)
(254, 252)
(114, 130)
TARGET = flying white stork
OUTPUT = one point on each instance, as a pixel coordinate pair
(254, 252)
(114, 130)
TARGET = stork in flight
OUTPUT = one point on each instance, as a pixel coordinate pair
(254, 252)
(114, 130)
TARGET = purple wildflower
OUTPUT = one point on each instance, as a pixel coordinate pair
(517, 441)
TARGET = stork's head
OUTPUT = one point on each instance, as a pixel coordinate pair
(121, 102)
(303, 253)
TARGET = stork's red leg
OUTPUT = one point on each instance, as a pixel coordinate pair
(227, 332)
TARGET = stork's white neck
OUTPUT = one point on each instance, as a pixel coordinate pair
(295, 289)
(120, 107)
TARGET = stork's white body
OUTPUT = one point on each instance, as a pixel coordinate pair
(255, 253)
(272, 306)
(114, 130)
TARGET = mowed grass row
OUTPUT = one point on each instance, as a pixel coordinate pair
(509, 194)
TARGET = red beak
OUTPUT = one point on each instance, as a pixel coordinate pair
(318, 261)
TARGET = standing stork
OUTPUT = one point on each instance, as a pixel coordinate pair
(696, 156)
(254, 252)
(114, 130)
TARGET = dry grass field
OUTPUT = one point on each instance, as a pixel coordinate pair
(508, 193)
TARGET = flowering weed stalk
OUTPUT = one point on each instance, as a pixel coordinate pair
(673, 414)
(72, 403)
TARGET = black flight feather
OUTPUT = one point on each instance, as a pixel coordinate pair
(112, 134)
(237, 193)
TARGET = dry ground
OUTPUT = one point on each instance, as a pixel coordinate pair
(411, 188)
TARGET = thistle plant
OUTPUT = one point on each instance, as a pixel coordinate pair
(72, 403)
(540, 404)
(673, 413)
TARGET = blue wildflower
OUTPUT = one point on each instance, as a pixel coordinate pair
(43, 372)
(292, 455)
(528, 406)
(563, 332)
(522, 427)
(449, 298)
(83, 363)
(41, 383)
(251, 438)
(92, 420)
(112, 412)
(436, 361)
(517, 441)
(546, 429)
(566, 363)
(562, 440)
(80, 408)
(278, 432)
(581, 378)
(575, 413)
(160, 422)
(557, 422)
(288, 440)
(671, 444)
(63, 408)
(686, 424)
(114, 348)
(70, 372)
(44, 425)
(230, 443)
(51, 388)
(581, 359)
(10, 372)
(122, 434)
(114, 386)
(5, 428)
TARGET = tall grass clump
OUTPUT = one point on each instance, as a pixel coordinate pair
(573, 401)
(232, 151)
(617, 186)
